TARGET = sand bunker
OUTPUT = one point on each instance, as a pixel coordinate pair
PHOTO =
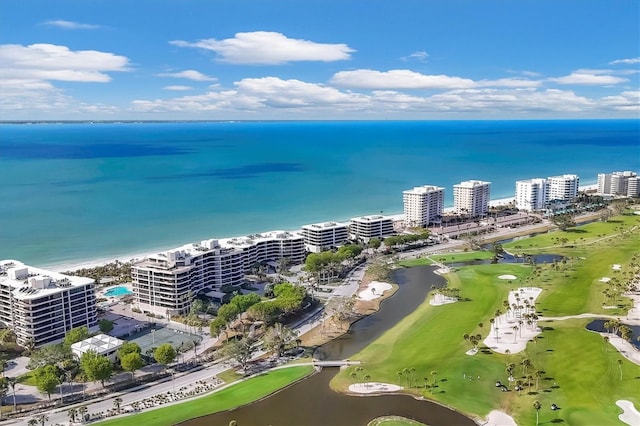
(616, 267)
(374, 290)
(630, 414)
(373, 387)
(439, 299)
(604, 279)
(507, 277)
(499, 418)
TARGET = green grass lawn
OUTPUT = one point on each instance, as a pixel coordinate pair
(234, 396)
(577, 371)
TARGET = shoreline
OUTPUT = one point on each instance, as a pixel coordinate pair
(139, 255)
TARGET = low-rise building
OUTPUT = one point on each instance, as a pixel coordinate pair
(101, 344)
(324, 236)
(41, 306)
(374, 226)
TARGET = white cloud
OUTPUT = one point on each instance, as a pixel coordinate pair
(53, 62)
(629, 61)
(264, 47)
(188, 74)
(588, 77)
(420, 55)
(625, 101)
(177, 88)
(70, 25)
(509, 82)
(397, 79)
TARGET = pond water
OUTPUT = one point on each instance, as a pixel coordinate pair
(311, 402)
(598, 325)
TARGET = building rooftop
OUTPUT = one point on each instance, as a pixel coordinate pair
(424, 189)
(253, 239)
(28, 282)
(372, 218)
(325, 225)
(471, 183)
(566, 176)
(100, 344)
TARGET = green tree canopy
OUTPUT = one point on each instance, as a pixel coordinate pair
(75, 335)
(50, 355)
(96, 367)
(131, 362)
(240, 350)
(165, 354)
(245, 301)
(105, 325)
(266, 311)
(228, 312)
(563, 221)
(375, 242)
(127, 348)
(47, 378)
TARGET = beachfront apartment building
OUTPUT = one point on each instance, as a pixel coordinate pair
(562, 188)
(472, 197)
(422, 205)
(41, 306)
(166, 283)
(268, 246)
(324, 236)
(365, 228)
(531, 194)
(618, 183)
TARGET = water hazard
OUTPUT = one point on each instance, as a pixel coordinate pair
(598, 325)
(311, 402)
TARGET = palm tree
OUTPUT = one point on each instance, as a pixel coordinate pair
(12, 382)
(116, 404)
(606, 341)
(620, 367)
(72, 415)
(526, 363)
(519, 384)
(537, 374)
(366, 380)
(42, 418)
(82, 411)
(537, 406)
(33, 422)
(434, 374)
(507, 352)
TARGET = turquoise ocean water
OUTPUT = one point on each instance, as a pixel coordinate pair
(71, 193)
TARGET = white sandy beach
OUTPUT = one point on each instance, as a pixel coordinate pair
(374, 290)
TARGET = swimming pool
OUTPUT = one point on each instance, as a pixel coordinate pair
(117, 291)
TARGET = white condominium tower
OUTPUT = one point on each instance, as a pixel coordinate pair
(422, 205)
(563, 187)
(324, 236)
(375, 226)
(471, 197)
(273, 245)
(618, 183)
(166, 283)
(531, 194)
(42, 306)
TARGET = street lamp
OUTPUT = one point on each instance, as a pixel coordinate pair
(153, 336)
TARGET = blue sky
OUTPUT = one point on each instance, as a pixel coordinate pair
(319, 59)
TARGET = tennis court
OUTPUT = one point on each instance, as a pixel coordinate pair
(154, 336)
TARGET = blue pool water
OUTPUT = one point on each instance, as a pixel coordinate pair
(117, 291)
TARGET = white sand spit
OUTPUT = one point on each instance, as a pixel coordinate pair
(630, 414)
(507, 277)
(439, 299)
(503, 335)
(499, 418)
(604, 279)
(472, 351)
(373, 387)
(374, 290)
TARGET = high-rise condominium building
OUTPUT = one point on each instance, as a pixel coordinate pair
(42, 306)
(563, 187)
(325, 236)
(531, 194)
(166, 283)
(618, 183)
(375, 226)
(472, 197)
(422, 205)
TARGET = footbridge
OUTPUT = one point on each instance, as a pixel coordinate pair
(338, 363)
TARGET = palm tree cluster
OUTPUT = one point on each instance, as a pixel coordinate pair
(474, 339)
(120, 270)
(619, 329)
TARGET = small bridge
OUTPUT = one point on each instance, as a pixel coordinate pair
(338, 363)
